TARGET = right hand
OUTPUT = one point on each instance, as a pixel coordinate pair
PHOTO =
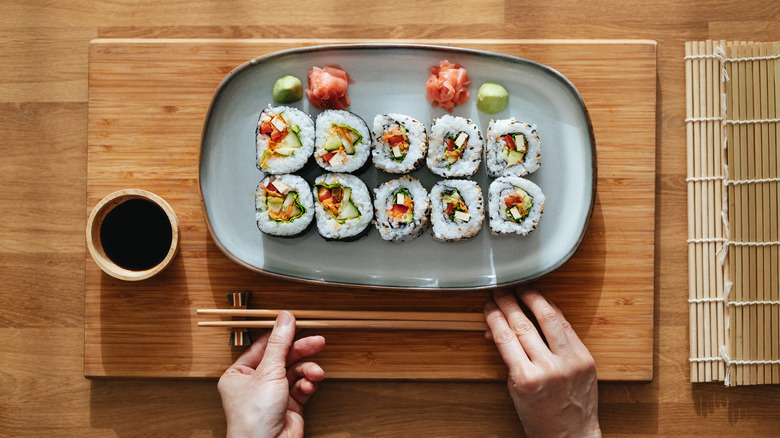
(554, 389)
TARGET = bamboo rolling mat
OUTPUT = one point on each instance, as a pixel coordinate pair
(733, 133)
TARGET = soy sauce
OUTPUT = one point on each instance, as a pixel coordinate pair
(136, 234)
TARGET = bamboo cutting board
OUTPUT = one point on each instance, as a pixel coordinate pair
(147, 103)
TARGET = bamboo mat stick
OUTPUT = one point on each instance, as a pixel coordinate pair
(753, 140)
(357, 324)
(692, 320)
(710, 213)
(698, 80)
(717, 148)
(730, 207)
(750, 152)
(339, 314)
(735, 264)
(762, 217)
(766, 49)
(774, 141)
(703, 310)
(743, 216)
(698, 314)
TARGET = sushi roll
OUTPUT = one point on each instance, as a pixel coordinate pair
(284, 205)
(457, 210)
(513, 148)
(516, 205)
(400, 143)
(342, 206)
(402, 209)
(342, 141)
(284, 139)
(454, 147)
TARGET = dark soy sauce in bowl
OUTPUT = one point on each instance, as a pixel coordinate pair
(136, 234)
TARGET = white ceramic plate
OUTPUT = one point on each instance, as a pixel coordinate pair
(391, 78)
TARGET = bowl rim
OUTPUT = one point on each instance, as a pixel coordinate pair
(98, 214)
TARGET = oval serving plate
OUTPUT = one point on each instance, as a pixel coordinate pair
(391, 78)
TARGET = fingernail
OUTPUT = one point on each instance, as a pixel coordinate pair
(284, 320)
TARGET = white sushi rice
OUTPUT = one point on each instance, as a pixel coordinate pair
(500, 222)
(278, 164)
(342, 162)
(289, 183)
(446, 229)
(469, 162)
(327, 225)
(391, 229)
(382, 152)
(496, 154)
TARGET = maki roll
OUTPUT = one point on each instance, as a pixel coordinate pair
(400, 143)
(402, 208)
(342, 206)
(513, 148)
(342, 141)
(284, 205)
(516, 205)
(457, 210)
(284, 139)
(454, 147)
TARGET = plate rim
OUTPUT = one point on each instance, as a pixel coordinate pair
(407, 46)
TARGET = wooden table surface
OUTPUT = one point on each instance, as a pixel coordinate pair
(43, 118)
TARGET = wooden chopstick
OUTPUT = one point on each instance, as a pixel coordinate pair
(358, 324)
(351, 315)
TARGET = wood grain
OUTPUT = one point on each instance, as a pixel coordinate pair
(43, 114)
(144, 127)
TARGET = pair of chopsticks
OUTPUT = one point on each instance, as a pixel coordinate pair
(329, 319)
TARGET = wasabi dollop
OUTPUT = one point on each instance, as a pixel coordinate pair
(287, 89)
(492, 98)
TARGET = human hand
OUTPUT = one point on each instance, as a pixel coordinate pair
(264, 391)
(554, 388)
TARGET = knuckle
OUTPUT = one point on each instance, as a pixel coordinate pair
(523, 327)
(549, 314)
(504, 337)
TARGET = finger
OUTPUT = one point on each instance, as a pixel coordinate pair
(506, 341)
(254, 354)
(550, 319)
(302, 390)
(278, 346)
(309, 370)
(574, 339)
(305, 347)
(530, 339)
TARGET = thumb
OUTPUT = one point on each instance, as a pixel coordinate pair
(274, 359)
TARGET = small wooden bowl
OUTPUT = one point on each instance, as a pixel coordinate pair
(95, 246)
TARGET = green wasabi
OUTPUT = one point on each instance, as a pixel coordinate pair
(492, 98)
(287, 89)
